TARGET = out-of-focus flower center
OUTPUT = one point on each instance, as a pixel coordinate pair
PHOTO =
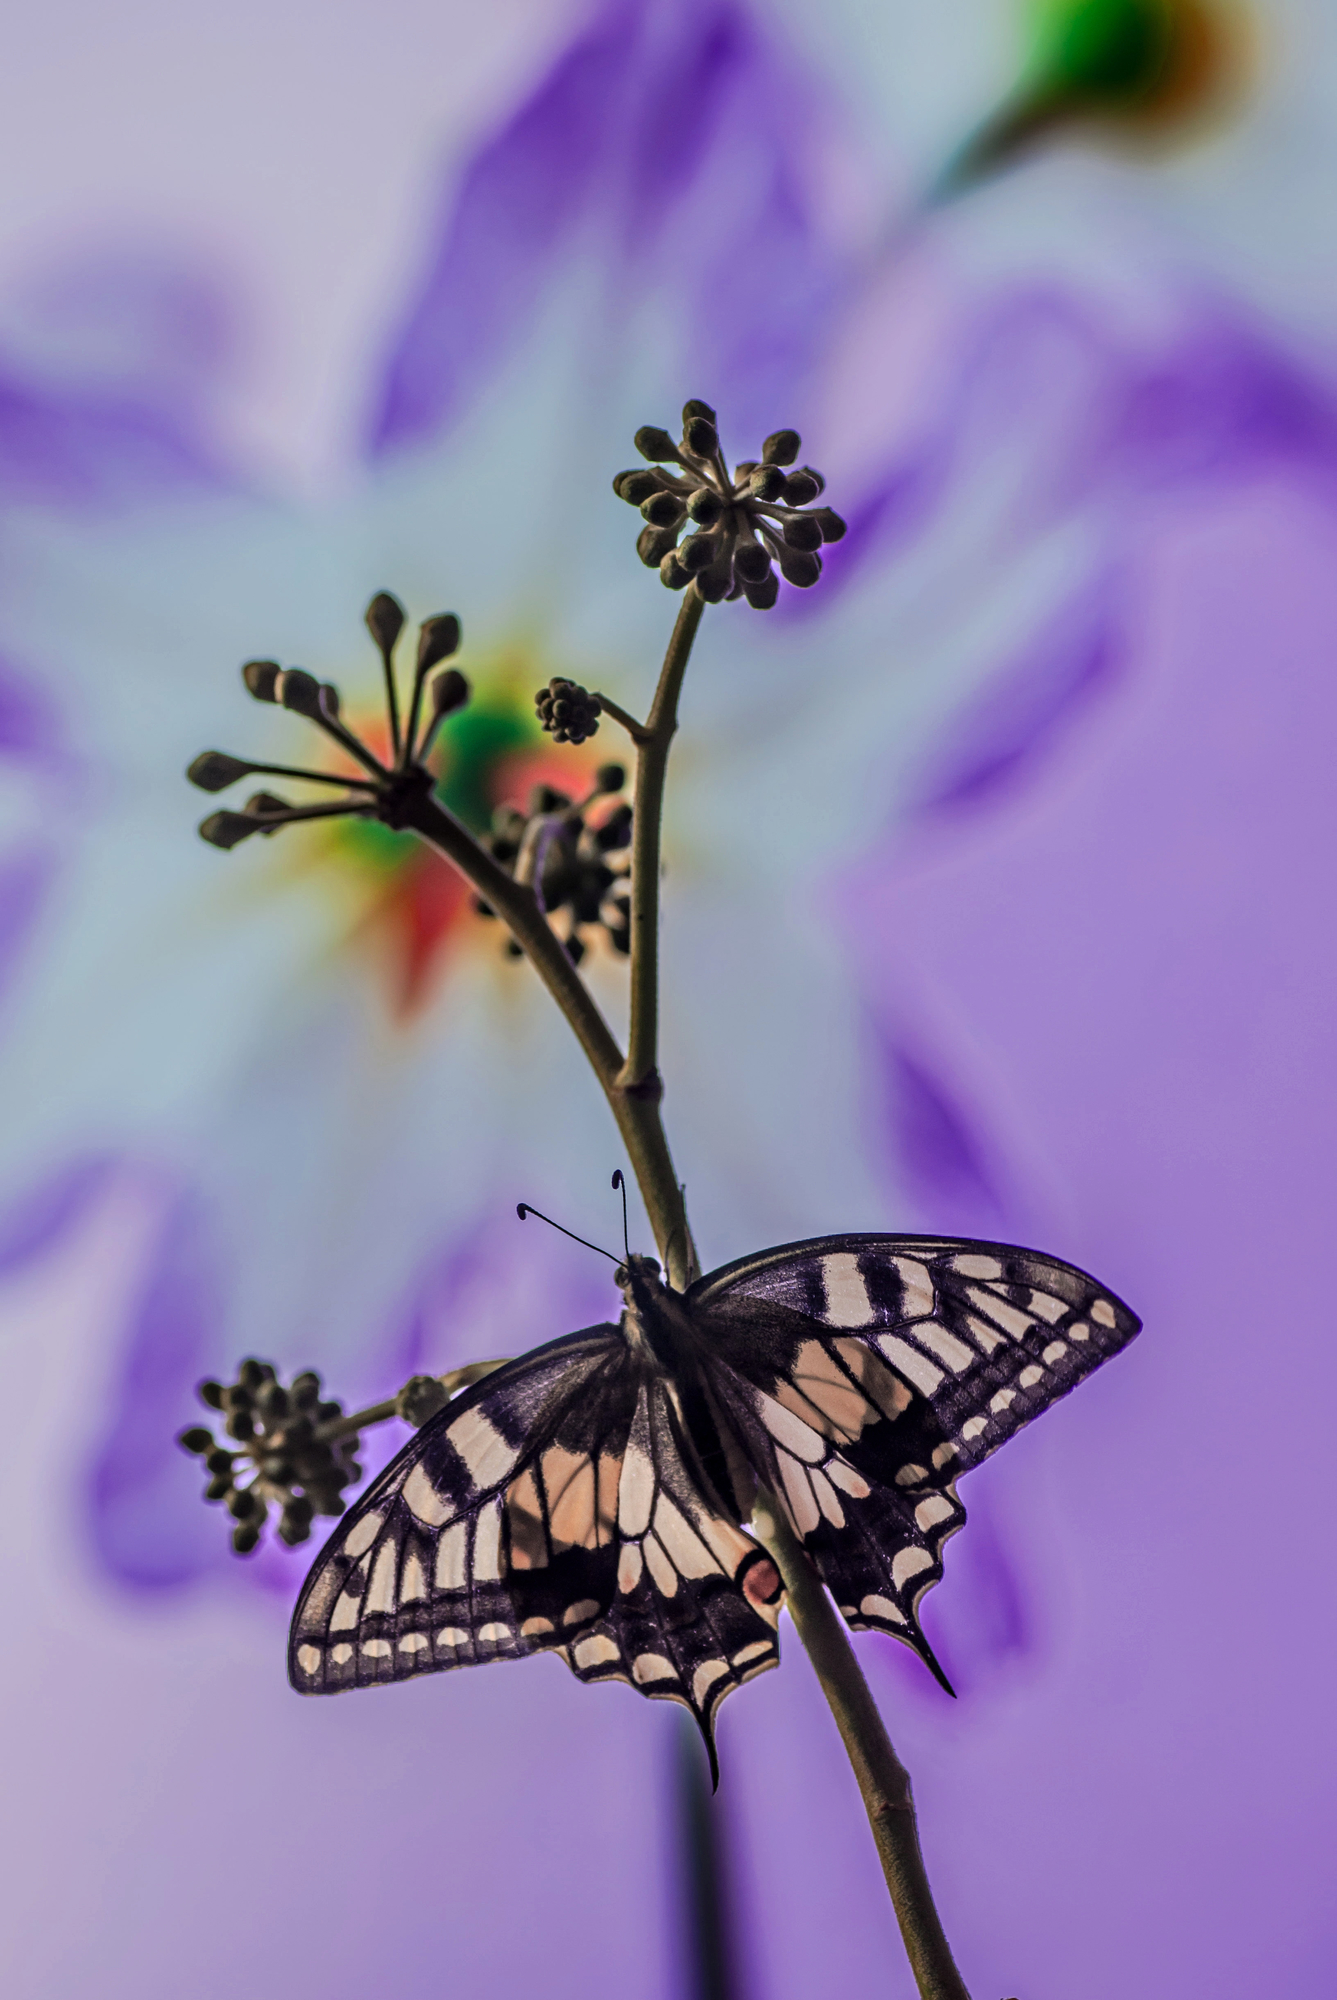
(412, 911)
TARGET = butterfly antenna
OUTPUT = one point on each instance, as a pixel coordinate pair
(524, 1208)
(619, 1182)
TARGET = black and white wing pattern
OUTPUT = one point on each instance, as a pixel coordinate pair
(557, 1506)
(864, 1374)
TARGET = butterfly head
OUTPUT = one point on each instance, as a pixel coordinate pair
(639, 1279)
(652, 1319)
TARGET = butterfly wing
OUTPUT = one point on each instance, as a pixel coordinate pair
(698, 1600)
(864, 1374)
(442, 1563)
(556, 1506)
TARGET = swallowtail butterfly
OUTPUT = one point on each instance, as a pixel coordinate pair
(591, 1499)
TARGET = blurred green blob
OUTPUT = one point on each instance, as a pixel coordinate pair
(478, 739)
(1140, 70)
(1103, 50)
(472, 745)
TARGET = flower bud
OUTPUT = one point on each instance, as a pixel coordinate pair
(261, 678)
(420, 1399)
(653, 544)
(225, 829)
(800, 568)
(781, 448)
(761, 596)
(801, 487)
(438, 638)
(672, 574)
(705, 506)
(696, 408)
(547, 799)
(655, 444)
(385, 620)
(751, 562)
(636, 485)
(701, 437)
(767, 483)
(803, 532)
(266, 805)
(610, 777)
(615, 832)
(716, 582)
(213, 770)
(450, 691)
(663, 510)
(211, 1392)
(300, 691)
(698, 552)
(197, 1439)
(830, 523)
(244, 1539)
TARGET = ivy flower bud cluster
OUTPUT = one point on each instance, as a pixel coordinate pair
(567, 711)
(287, 1452)
(574, 853)
(727, 534)
(385, 790)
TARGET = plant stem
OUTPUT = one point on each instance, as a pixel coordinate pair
(633, 1090)
(652, 751)
(882, 1778)
(452, 1381)
(636, 1109)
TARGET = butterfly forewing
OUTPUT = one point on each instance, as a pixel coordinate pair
(865, 1373)
(489, 1537)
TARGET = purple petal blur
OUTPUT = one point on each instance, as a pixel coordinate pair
(678, 134)
(1124, 962)
(1082, 976)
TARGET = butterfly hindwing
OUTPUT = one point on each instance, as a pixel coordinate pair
(865, 1373)
(697, 1599)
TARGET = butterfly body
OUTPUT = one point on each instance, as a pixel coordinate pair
(593, 1497)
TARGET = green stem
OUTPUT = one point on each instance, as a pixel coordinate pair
(633, 1090)
(652, 753)
(452, 1382)
(635, 1108)
(883, 1780)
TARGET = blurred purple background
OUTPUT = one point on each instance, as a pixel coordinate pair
(998, 901)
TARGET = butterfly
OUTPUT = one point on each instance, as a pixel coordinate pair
(592, 1498)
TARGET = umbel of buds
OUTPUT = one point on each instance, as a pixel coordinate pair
(288, 1450)
(387, 791)
(293, 1449)
(574, 853)
(727, 535)
(567, 711)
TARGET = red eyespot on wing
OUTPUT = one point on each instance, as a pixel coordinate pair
(759, 1580)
